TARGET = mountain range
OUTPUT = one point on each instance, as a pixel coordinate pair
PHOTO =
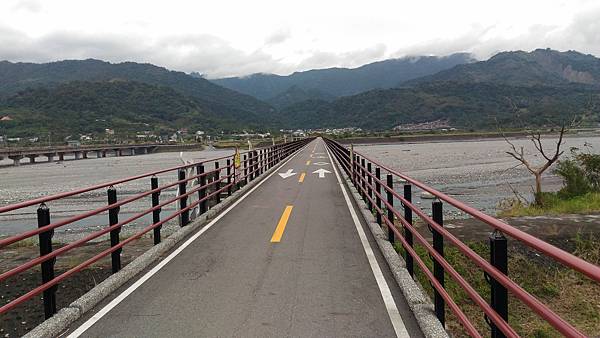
(336, 82)
(511, 88)
(228, 104)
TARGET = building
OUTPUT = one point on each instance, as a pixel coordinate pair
(74, 143)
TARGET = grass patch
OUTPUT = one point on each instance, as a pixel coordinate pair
(25, 243)
(553, 205)
(568, 293)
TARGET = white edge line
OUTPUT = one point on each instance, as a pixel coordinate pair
(384, 289)
(96, 317)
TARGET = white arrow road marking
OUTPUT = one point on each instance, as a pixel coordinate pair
(317, 156)
(321, 172)
(287, 173)
(321, 163)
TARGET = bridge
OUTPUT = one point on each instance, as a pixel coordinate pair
(295, 239)
(82, 152)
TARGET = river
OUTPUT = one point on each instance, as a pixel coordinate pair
(475, 172)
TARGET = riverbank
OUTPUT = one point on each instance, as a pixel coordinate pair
(454, 137)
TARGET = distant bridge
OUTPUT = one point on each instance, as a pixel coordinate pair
(83, 152)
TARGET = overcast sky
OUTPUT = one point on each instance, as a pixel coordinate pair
(224, 37)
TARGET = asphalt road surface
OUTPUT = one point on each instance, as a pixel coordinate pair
(287, 261)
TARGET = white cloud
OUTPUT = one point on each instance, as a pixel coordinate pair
(278, 37)
(237, 37)
(33, 6)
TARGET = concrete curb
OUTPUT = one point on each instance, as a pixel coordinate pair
(417, 300)
(57, 324)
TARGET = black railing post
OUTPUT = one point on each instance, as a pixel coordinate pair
(438, 270)
(363, 179)
(245, 169)
(390, 213)
(228, 164)
(353, 175)
(407, 233)
(217, 183)
(255, 169)
(202, 191)
(498, 293)
(370, 183)
(113, 218)
(185, 215)
(251, 165)
(45, 238)
(269, 158)
(156, 212)
(377, 194)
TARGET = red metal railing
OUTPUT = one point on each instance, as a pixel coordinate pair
(379, 195)
(209, 186)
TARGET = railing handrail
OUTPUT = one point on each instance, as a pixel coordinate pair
(368, 186)
(209, 187)
(45, 199)
(570, 260)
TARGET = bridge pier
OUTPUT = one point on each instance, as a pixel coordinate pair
(16, 160)
(50, 156)
(77, 155)
(61, 156)
(84, 153)
(32, 158)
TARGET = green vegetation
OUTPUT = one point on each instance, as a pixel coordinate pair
(91, 107)
(476, 106)
(564, 291)
(541, 67)
(580, 193)
(512, 89)
(553, 205)
(221, 102)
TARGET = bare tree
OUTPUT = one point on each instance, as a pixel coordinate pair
(519, 155)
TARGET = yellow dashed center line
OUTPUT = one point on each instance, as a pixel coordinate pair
(301, 179)
(281, 225)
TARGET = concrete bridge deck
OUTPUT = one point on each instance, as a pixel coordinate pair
(289, 260)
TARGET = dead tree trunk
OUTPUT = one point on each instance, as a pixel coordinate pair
(519, 155)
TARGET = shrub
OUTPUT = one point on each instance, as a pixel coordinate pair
(574, 177)
(581, 174)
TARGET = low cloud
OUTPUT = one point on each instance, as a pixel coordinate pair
(278, 37)
(582, 35)
(204, 53)
(350, 59)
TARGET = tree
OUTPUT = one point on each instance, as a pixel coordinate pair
(519, 155)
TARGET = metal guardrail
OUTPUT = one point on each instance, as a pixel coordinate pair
(374, 181)
(206, 185)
